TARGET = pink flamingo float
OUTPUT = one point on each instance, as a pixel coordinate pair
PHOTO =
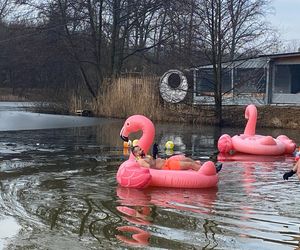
(130, 174)
(250, 143)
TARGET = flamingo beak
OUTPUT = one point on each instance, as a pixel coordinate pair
(124, 138)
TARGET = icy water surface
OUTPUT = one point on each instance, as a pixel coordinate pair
(58, 191)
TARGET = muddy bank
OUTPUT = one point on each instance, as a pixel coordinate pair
(268, 116)
(233, 116)
(141, 96)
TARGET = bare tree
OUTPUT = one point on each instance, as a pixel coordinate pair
(98, 39)
(135, 32)
(6, 9)
(230, 29)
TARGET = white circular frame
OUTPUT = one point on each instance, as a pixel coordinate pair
(173, 95)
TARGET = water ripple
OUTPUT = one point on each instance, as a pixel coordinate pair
(60, 189)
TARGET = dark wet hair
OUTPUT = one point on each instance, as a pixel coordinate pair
(133, 149)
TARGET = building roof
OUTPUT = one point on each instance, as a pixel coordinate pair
(260, 61)
(282, 55)
(252, 63)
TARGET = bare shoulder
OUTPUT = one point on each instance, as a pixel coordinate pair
(143, 163)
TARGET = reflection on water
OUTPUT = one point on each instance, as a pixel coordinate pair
(8, 229)
(18, 120)
(58, 191)
(16, 106)
(156, 209)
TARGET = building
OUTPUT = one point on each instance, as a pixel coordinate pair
(266, 79)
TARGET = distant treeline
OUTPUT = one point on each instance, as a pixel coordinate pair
(71, 43)
(67, 44)
(76, 50)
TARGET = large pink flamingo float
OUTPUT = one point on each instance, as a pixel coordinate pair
(130, 174)
(250, 143)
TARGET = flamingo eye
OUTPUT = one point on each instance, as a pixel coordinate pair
(127, 123)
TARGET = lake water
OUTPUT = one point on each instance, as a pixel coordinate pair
(58, 191)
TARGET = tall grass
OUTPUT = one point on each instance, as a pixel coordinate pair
(140, 95)
(12, 98)
(8, 94)
(131, 95)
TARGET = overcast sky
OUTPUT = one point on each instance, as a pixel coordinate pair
(286, 18)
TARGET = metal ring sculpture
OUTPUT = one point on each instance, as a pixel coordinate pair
(171, 92)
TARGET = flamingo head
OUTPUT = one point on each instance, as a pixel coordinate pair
(136, 123)
(130, 126)
(251, 110)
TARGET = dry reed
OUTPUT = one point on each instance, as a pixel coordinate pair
(140, 95)
(131, 95)
(11, 95)
(12, 98)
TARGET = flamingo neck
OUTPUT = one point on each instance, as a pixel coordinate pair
(148, 133)
(251, 115)
(147, 138)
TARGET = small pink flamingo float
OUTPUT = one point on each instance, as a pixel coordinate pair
(130, 174)
(251, 143)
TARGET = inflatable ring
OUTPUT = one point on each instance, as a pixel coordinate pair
(131, 174)
(251, 143)
(176, 93)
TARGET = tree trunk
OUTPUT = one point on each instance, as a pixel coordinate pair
(115, 38)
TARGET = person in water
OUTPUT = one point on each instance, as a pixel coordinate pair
(295, 170)
(148, 161)
(183, 163)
